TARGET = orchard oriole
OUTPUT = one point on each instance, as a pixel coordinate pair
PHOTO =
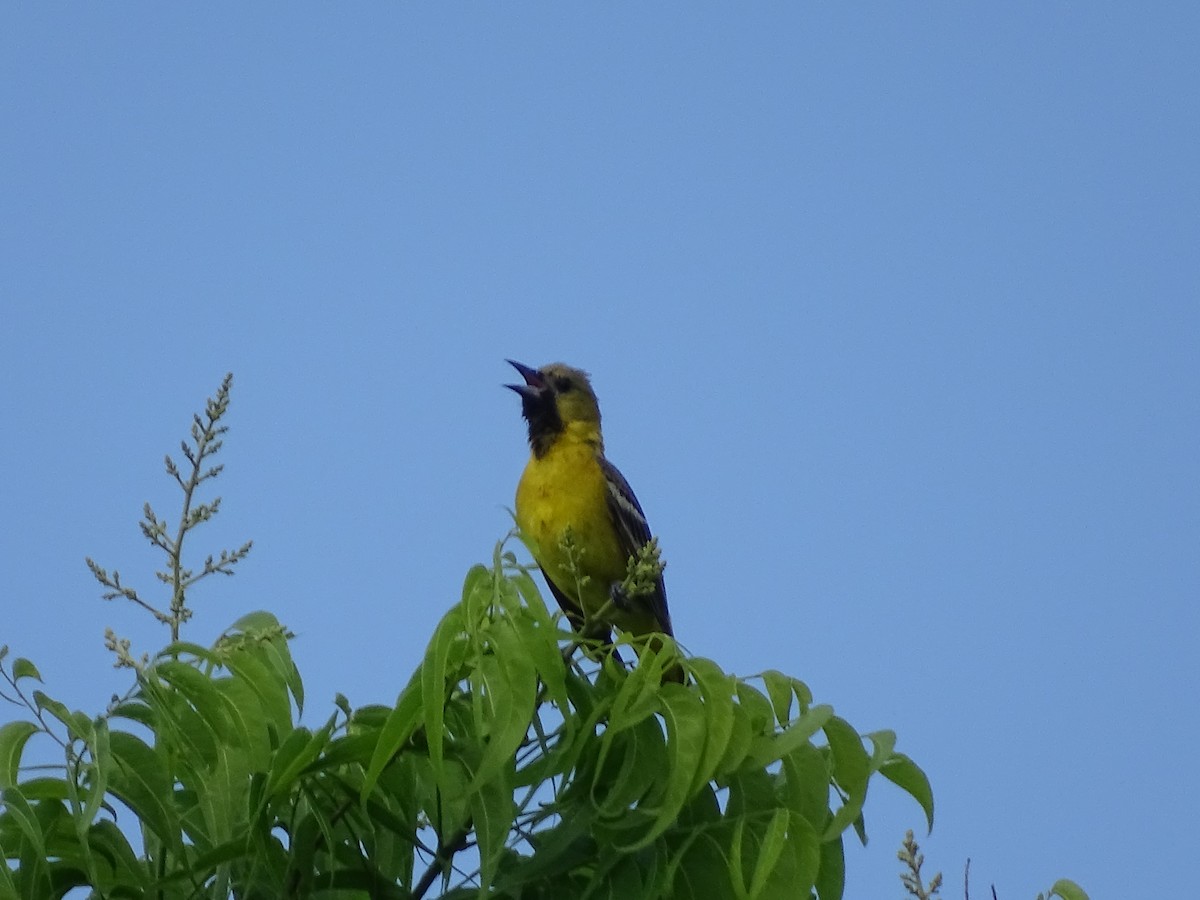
(578, 513)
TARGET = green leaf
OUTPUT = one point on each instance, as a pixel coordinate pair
(717, 689)
(223, 795)
(206, 862)
(492, 811)
(779, 689)
(98, 768)
(1068, 890)
(268, 685)
(774, 838)
(751, 791)
(129, 874)
(767, 748)
(389, 849)
(783, 853)
(136, 710)
(565, 753)
(557, 850)
(804, 697)
(33, 869)
(450, 807)
(354, 750)
(799, 863)
(806, 784)
(78, 725)
(700, 869)
(23, 668)
(636, 699)
(25, 818)
(635, 690)
(883, 743)
(757, 707)
(199, 691)
(618, 878)
(851, 769)
(638, 760)
(539, 641)
(510, 691)
(177, 725)
(683, 714)
(244, 713)
(860, 828)
(434, 686)
(277, 654)
(737, 867)
(177, 650)
(740, 740)
(907, 775)
(399, 727)
(369, 717)
(44, 789)
(477, 593)
(304, 836)
(140, 780)
(8, 887)
(529, 592)
(831, 877)
(12, 744)
(296, 752)
(257, 622)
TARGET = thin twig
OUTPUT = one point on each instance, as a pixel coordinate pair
(441, 860)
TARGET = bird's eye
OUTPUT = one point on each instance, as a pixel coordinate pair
(563, 384)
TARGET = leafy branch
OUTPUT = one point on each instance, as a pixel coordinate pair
(206, 441)
(25, 669)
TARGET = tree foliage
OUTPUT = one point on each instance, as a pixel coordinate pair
(511, 765)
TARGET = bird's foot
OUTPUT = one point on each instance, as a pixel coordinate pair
(620, 599)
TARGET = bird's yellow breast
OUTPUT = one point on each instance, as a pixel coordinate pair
(564, 489)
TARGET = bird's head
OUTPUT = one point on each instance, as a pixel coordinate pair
(554, 399)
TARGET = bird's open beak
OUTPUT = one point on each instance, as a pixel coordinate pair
(534, 384)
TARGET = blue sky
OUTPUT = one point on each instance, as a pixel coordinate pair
(893, 314)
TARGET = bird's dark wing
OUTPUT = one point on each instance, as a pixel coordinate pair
(569, 607)
(633, 531)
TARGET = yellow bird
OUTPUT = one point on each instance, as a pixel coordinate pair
(569, 488)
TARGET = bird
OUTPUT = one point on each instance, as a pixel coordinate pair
(569, 491)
